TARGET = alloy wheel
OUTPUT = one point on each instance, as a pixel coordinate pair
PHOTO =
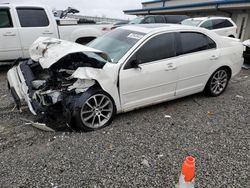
(219, 82)
(97, 111)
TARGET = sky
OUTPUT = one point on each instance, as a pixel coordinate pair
(108, 8)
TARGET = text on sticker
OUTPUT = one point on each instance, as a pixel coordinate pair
(135, 36)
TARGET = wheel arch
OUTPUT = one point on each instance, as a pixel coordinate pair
(84, 33)
(221, 67)
(228, 69)
(76, 103)
(95, 88)
(98, 86)
(231, 36)
(225, 67)
(85, 40)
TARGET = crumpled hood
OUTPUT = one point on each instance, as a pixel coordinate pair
(47, 51)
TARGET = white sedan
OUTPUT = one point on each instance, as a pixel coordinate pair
(128, 68)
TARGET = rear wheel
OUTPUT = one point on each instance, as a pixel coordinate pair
(218, 82)
(96, 112)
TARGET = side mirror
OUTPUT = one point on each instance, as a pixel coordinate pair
(135, 64)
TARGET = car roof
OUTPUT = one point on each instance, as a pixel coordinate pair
(154, 28)
(208, 17)
(165, 15)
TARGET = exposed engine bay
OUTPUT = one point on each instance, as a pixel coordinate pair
(50, 86)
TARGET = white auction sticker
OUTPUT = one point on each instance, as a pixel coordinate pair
(135, 36)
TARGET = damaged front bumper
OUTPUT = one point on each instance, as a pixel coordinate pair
(19, 88)
(19, 80)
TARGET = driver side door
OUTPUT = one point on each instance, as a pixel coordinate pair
(150, 75)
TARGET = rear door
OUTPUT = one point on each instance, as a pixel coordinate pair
(197, 54)
(156, 78)
(33, 23)
(10, 47)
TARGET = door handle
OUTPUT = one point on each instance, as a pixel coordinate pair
(214, 57)
(170, 66)
(47, 33)
(9, 34)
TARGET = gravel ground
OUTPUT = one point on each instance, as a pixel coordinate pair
(142, 148)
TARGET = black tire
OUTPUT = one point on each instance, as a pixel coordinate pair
(78, 118)
(246, 56)
(215, 85)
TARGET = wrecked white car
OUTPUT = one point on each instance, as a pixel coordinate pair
(126, 69)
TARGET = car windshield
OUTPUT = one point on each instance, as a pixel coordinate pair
(116, 43)
(136, 20)
(191, 22)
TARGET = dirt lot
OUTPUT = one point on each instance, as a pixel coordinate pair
(140, 149)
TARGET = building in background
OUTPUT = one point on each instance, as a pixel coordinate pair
(238, 10)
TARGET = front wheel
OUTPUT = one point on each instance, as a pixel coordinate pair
(218, 82)
(96, 112)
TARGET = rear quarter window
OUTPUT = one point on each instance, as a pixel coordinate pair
(32, 17)
(221, 23)
(190, 42)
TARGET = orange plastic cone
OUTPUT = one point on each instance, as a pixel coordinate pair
(186, 179)
(188, 169)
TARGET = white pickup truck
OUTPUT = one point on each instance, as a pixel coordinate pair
(21, 25)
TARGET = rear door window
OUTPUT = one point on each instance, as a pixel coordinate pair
(5, 18)
(32, 17)
(221, 23)
(190, 42)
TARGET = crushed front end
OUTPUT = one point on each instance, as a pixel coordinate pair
(48, 93)
(47, 83)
